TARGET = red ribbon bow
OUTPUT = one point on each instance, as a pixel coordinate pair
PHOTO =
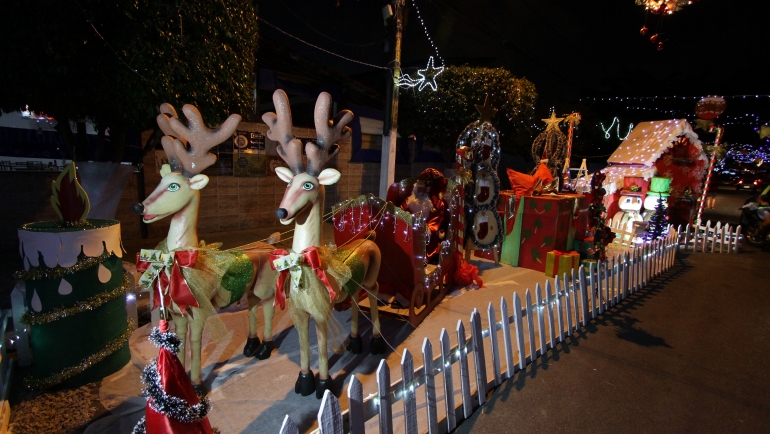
(178, 290)
(310, 257)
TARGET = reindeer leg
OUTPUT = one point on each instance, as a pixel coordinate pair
(354, 346)
(264, 350)
(196, 335)
(377, 346)
(252, 342)
(181, 331)
(305, 384)
(323, 358)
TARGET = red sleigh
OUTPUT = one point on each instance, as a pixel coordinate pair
(402, 239)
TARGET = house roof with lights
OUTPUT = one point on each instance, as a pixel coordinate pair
(637, 154)
(649, 140)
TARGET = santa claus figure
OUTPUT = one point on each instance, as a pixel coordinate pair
(428, 199)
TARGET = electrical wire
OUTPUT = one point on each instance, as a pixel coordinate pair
(369, 44)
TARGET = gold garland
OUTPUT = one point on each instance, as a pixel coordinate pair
(90, 303)
(88, 362)
(41, 273)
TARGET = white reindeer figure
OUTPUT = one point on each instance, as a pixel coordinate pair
(178, 195)
(303, 204)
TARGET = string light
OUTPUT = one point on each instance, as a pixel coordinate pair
(427, 35)
(608, 134)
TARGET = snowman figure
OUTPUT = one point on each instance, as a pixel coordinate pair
(659, 187)
(630, 204)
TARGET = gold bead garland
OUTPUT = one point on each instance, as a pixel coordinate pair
(91, 303)
(42, 273)
(88, 362)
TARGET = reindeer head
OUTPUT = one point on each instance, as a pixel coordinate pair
(188, 154)
(305, 185)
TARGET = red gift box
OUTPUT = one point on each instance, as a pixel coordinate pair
(545, 226)
(579, 215)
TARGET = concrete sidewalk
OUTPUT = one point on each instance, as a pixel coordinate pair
(689, 353)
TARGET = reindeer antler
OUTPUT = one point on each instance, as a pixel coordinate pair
(195, 157)
(167, 112)
(289, 148)
(329, 132)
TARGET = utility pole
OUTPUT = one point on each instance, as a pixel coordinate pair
(390, 126)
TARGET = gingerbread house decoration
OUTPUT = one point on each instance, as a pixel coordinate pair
(668, 148)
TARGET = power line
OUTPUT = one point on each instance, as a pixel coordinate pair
(369, 44)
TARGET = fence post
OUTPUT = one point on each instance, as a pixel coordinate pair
(568, 297)
(560, 314)
(592, 290)
(410, 404)
(356, 406)
(479, 356)
(583, 294)
(494, 344)
(519, 324)
(18, 309)
(530, 327)
(329, 415)
(626, 270)
(540, 318)
(383, 390)
(288, 426)
(506, 321)
(737, 244)
(465, 380)
(449, 392)
(430, 386)
(549, 306)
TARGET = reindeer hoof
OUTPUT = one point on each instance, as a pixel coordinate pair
(323, 385)
(200, 390)
(252, 344)
(264, 350)
(377, 346)
(355, 345)
(305, 384)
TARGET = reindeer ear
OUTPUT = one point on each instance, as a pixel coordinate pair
(197, 182)
(328, 177)
(165, 170)
(284, 173)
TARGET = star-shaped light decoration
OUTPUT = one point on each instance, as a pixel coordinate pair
(429, 74)
(486, 111)
(703, 124)
(764, 131)
(552, 122)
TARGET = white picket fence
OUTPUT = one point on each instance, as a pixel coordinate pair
(717, 239)
(571, 302)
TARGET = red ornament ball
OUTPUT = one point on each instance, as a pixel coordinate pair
(660, 46)
(644, 31)
(654, 38)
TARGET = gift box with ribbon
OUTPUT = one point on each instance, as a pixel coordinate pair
(545, 226)
(557, 263)
(582, 246)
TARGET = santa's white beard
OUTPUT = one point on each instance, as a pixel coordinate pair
(417, 204)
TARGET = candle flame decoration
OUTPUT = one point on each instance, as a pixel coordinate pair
(69, 200)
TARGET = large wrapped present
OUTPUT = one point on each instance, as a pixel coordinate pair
(582, 246)
(557, 263)
(579, 216)
(545, 226)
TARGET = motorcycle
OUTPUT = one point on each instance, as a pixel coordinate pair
(751, 222)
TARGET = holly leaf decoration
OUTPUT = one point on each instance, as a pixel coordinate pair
(548, 205)
(547, 241)
(535, 254)
(533, 204)
(527, 233)
(538, 225)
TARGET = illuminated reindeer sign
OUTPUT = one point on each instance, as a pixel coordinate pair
(194, 279)
(319, 277)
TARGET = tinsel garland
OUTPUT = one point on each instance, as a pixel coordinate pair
(67, 373)
(91, 303)
(169, 341)
(41, 273)
(167, 405)
(140, 428)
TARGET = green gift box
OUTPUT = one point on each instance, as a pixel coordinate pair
(558, 263)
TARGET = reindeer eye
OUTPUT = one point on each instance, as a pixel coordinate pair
(308, 186)
(173, 186)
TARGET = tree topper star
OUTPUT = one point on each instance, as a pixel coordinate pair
(553, 121)
(429, 75)
(486, 111)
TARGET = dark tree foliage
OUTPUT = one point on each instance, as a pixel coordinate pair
(440, 116)
(115, 62)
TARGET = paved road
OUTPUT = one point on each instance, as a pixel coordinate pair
(689, 353)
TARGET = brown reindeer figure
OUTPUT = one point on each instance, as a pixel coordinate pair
(316, 285)
(212, 278)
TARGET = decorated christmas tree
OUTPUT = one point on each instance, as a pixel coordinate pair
(550, 146)
(658, 222)
(478, 154)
